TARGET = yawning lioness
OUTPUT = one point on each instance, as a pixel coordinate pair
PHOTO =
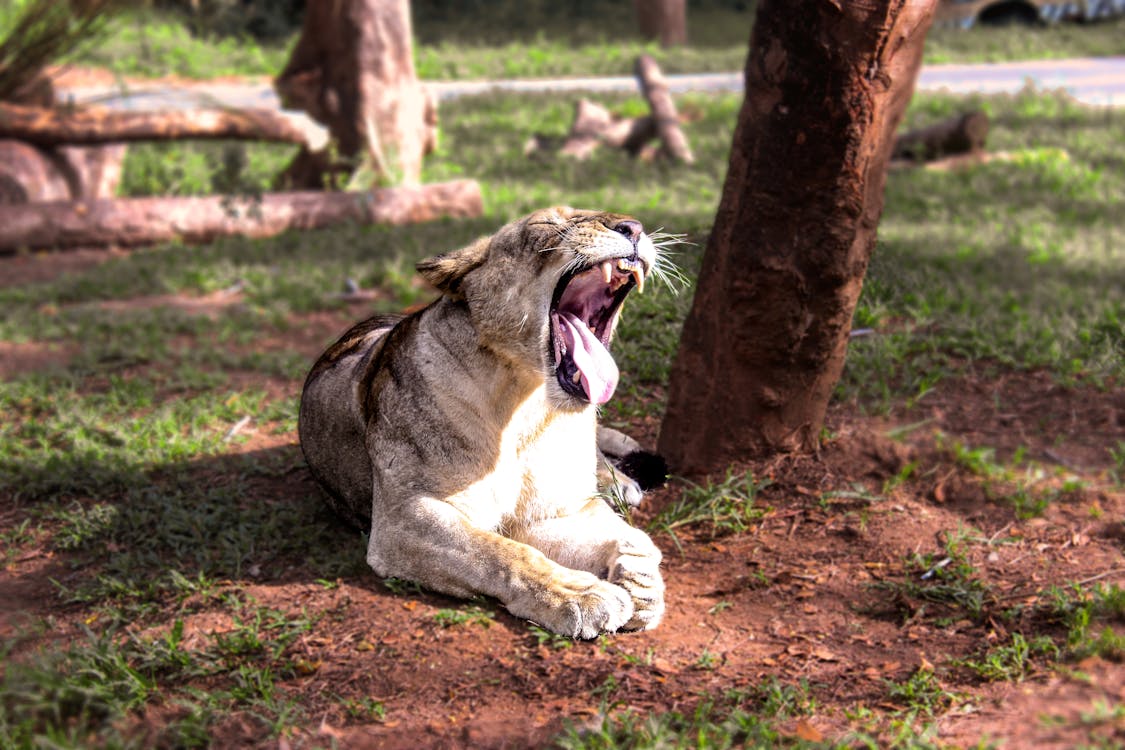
(464, 436)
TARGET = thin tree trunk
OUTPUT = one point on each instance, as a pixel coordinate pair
(56, 126)
(764, 344)
(353, 71)
(665, 20)
(143, 221)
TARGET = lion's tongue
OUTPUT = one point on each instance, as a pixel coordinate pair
(596, 366)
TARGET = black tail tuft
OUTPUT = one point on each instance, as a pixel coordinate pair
(647, 469)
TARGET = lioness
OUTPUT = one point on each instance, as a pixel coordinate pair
(463, 435)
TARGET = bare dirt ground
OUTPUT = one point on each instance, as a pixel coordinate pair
(820, 589)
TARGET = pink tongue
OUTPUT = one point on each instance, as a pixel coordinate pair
(598, 370)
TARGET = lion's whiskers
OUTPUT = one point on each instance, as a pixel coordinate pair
(665, 270)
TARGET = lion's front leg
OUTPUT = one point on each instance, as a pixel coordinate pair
(599, 541)
(436, 545)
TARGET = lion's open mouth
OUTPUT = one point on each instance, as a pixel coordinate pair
(583, 314)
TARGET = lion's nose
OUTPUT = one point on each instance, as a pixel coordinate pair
(631, 229)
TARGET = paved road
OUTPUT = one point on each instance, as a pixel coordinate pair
(1096, 81)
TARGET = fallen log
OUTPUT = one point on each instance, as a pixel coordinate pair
(30, 173)
(655, 89)
(58, 126)
(963, 134)
(594, 125)
(144, 221)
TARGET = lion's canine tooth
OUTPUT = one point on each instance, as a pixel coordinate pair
(639, 275)
(607, 271)
(577, 376)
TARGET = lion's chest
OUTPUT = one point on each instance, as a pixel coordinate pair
(546, 466)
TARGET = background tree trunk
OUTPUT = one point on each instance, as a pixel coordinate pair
(665, 20)
(353, 71)
(764, 344)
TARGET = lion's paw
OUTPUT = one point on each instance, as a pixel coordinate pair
(582, 609)
(637, 570)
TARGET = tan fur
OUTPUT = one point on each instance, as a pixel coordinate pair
(449, 431)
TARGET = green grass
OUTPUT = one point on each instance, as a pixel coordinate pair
(746, 718)
(727, 507)
(60, 696)
(146, 43)
(1012, 264)
(1086, 614)
(505, 40)
(1005, 43)
(473, 615)
(1011, 662)
(922, 694)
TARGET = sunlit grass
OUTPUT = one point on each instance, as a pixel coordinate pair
(549, 39)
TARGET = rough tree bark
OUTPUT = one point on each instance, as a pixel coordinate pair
(353, 71)
(665, 20)
(143, 221)
(764, 343)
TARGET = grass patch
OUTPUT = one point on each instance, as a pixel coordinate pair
(724, 508)
(1086, 613)
(146, 42)
(87, 688)
(500, 40)
(473, 615)
(1021, 269)
(1011, 662)
(749, 718)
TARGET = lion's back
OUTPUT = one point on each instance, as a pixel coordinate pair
(331, 425)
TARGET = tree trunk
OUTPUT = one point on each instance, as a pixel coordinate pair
(764, 344)
(144, 221)
(353, 71)
(665, 20)
(55, 126)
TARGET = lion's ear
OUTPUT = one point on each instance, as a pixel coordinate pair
(447, 271)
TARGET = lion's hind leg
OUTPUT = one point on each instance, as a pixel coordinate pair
(437, 546)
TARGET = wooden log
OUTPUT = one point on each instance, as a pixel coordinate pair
(655, 89)
(962, 134)
(31, 173)
(144, 221)
(593, 126)
(56, 126)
